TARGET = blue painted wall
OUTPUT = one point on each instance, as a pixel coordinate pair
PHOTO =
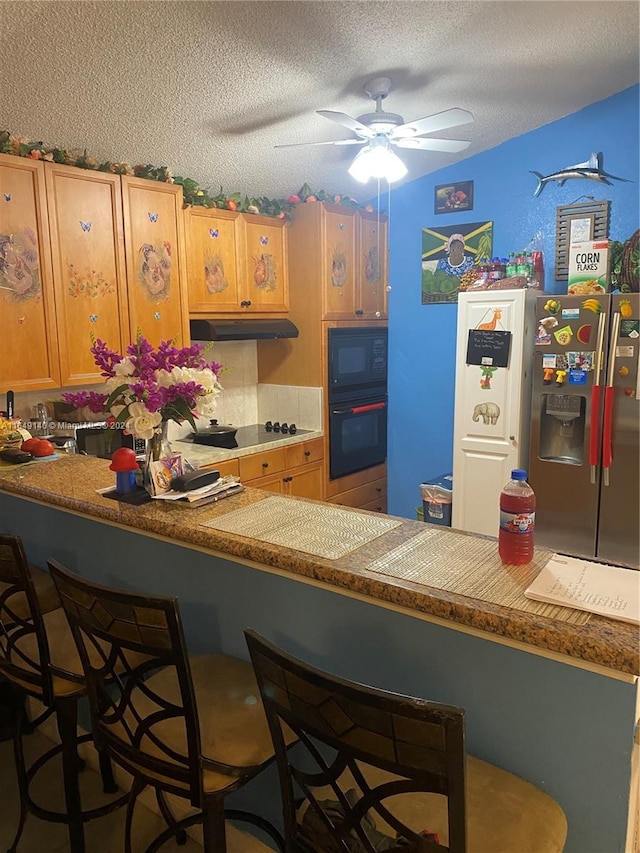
(422, 337)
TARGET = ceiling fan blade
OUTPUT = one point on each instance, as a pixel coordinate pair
(451, 146)
(347, 121)
(330, 142)
(438, 121)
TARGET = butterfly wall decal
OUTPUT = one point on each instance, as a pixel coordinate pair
(264, 241)
(86, 226)
(213, 232)
(7, 196)
(153, 217)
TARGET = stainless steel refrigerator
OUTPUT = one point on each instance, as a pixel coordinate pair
(584, 461)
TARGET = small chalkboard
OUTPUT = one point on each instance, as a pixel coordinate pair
(488, 348)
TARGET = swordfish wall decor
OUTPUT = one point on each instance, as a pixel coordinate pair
(590, 170)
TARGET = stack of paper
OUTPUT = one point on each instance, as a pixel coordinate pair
(596, 587)
(221, 488)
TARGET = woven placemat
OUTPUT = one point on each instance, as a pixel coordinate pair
(324, 531)
(468, 566)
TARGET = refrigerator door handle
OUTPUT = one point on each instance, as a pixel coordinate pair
(594, 431)
(607, 422)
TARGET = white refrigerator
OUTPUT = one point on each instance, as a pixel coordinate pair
(494, 352)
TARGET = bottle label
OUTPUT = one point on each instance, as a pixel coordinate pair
(517, 522)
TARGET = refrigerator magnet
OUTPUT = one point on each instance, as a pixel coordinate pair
(577, 376)
(563, 336)
(549, 360)
(570, 313)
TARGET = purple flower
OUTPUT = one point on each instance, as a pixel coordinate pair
(94, 401)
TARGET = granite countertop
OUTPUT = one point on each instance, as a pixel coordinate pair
(70, 482)
(206, 454)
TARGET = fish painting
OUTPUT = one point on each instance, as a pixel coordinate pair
(590, 170)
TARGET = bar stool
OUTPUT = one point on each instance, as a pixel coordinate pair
(38, 657)
(189, 726)
(366, 752)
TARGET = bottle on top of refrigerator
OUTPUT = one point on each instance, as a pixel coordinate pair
(495, 270)
(484, 269)
(522, 267)
(517, 520)
(511, 268)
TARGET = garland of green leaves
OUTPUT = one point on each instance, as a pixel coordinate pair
(193, 194)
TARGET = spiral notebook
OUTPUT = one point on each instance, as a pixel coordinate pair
(610, 591)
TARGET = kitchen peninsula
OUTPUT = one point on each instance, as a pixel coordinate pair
(552, 701)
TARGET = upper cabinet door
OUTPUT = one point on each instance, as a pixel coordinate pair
(27, 316)
(372, 266)
(155, 259)
(87, 248)
(339, 267)
(214, 262)
(266, 272)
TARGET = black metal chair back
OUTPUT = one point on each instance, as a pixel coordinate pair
(344, 726)
(24, 650)
(122, 639)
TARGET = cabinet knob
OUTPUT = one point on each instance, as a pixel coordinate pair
(359, 311)
(378, 488)
(377, 313)
(388, 288)
(265, 464)
(245, 303)
(512, 438)
(307, 453)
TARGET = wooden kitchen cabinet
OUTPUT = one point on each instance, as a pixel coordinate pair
(214, 260)
(84, 253)
(155, 260)
(372, 266)
(89, 277)
(29, 359)
(237, 263)
(266, 264)
(340, 253)
(296, 469)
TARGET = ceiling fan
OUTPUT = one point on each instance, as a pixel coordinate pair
(380, 131)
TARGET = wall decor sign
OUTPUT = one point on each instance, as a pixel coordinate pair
(448, 256)
(588, 217)
(449, 198)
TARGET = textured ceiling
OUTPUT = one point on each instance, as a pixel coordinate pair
(208, 88)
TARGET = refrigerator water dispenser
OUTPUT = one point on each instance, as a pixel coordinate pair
(562, 425)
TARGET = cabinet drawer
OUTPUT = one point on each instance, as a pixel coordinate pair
(376, 506)
(352, 481)
(229, 467)
(261, 464)
(306, 451)
(373, 492)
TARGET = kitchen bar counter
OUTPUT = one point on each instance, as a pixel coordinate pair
(70, 482)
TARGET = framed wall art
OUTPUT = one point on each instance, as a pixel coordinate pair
(448, 254)
(453, 198)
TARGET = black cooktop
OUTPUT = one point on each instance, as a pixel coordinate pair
(249, 436)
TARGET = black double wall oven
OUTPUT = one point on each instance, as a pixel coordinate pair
(357, 374)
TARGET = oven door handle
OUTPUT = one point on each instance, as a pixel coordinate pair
(355, 410)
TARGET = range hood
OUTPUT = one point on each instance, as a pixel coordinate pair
(242, 330)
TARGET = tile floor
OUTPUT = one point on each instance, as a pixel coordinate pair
(104, 835)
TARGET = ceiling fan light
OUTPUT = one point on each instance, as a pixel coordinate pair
(377, 162)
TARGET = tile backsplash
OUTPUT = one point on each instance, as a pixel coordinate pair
(243, 401)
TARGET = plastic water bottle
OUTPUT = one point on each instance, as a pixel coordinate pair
(517, 520)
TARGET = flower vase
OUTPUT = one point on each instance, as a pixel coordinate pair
(157, 447)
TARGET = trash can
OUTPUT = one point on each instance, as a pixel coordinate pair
(437, 497)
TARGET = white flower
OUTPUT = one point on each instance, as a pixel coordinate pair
(141, 421)
(124, 367)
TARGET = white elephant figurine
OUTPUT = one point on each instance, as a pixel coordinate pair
(489, 412)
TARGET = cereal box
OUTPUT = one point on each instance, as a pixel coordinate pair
(588, 268)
